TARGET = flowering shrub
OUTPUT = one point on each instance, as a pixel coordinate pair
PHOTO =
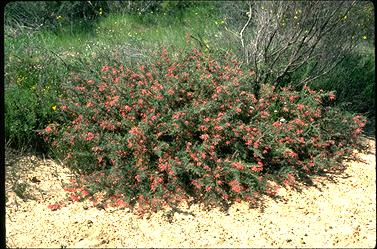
(191, 125)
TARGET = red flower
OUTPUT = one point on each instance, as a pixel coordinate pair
(84, 192)
(127, 108)
(238, 165)
(105, 68)
(256, 169)
(53, 207)
(290, 179)
(134, 130)
(74, 197)
(196, 184)
(235, 185)
(203, 155)
(291, 154)
(204, 137)
(276, 124)
(138, 178)
(264, 114)
(170, 91)
(162, 166)
(102, 87)
(89, 104)
(331, 96)
(203, 128)
(89, 136)
(121, 203)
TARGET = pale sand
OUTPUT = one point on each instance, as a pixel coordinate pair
(333, 214)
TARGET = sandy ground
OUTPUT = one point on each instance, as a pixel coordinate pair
(339, 213)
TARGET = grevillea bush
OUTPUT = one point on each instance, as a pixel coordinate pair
(190, 125)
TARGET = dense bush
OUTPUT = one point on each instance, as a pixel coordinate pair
(354, 81)
(32, 85)
(20, 117)
(55, 15)
(190, 125)
(26, 111)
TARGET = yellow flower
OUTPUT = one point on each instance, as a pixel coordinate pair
(53, 107)
(364, 37)
(59, 17)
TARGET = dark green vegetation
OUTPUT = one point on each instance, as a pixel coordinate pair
(52, 47)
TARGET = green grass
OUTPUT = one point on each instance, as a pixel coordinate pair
(142, 31)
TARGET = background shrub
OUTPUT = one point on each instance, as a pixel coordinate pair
(26, 112)
(188, 124)
(354, 82)
(59, 16)
(32, 75)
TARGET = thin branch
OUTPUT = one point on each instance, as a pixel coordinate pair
(242, 30)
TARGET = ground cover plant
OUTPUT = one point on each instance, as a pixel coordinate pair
(189, 124)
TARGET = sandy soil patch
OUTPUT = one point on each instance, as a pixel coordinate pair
(338, 213)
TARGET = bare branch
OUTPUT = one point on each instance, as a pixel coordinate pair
(242, 30)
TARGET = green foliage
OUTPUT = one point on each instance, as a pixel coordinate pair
(55, 15)
(354, 81)
(190, 124)
(20, 116)
(33, 78)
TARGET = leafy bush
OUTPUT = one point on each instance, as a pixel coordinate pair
(55, 15)
(24, 114)
(32, 85)
(354, 81)
(190, 125)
